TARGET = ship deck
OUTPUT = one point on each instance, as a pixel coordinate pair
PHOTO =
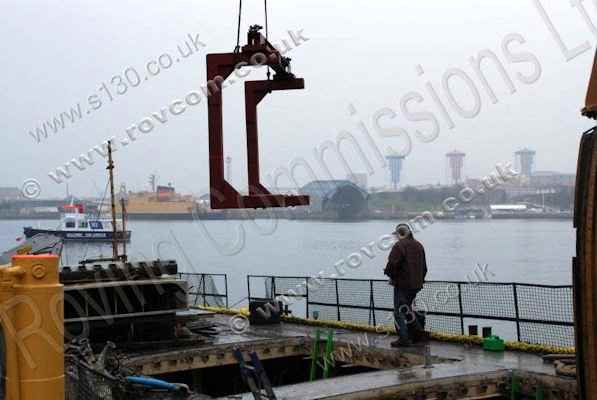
(457, 370)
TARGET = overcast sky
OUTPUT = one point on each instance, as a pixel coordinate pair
(384, 59)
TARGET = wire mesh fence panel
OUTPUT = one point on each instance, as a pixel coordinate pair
(260, 287)
(323, 312)
(214, 301)
(383, 294)
(545, 303)
(443, 324)
(384, 318)
(553, 335)
(291, 291)
(357, 315)
(439, 297)
(531, 313)
(354, 293)
(195, 288)
(539, 308)
(488, 300)
(291, 287)
(217, 290)
(206, 289)
(323, 291)
(298, 306)
(440, 301)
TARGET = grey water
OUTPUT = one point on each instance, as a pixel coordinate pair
(528, 251)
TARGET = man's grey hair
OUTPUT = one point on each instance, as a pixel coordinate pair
(403, 231)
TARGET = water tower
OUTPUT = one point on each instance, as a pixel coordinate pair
(455, 166)
(525, 162)
(395, 165)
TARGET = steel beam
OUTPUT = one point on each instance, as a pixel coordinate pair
(258, 52)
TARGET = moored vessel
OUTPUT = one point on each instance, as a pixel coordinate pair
(76, 225)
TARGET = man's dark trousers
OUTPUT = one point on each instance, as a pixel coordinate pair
(403, 313)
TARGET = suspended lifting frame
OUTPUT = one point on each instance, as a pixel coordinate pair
(257, 52)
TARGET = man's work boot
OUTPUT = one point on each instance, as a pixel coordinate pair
(401, 343)
(418, 335)
(423, 337)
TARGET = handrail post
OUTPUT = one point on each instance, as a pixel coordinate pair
(307, 297)
(197, 292)
(204, 294)
(516, 310)
(273, 288)
(372, 302)
(337, 299)
(460, 308)
(226, 288)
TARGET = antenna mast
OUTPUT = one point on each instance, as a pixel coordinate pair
(110, 169)
(124, 216)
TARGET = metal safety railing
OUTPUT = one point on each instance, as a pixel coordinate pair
(206, 289)
(538, 314)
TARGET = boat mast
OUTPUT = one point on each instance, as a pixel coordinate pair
(110, 169)
(124, 216)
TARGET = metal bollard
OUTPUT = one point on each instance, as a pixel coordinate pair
(428, 363)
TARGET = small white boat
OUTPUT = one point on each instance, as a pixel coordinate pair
(76, 225)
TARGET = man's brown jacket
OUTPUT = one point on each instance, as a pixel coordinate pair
(407, 266)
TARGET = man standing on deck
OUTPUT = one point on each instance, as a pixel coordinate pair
(406, 269)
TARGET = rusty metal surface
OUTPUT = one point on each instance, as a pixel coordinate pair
(258, 51)
(270, 342)
(554, 387)
(585, 265)
(117, 271)
(364, 349)
(459, 371)
(590, 109)
(441, 382)
(444, 381)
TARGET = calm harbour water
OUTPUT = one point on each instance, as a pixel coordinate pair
(519, 250)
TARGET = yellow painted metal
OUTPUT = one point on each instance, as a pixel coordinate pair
(32, 318)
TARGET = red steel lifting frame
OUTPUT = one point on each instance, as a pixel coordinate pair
(258, 51)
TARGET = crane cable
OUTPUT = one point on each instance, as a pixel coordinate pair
(266, 32)
(240, 11)
(266, 26)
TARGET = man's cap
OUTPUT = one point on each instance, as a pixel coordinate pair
(402, 230)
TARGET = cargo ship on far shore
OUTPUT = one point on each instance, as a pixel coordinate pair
(164, 203)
